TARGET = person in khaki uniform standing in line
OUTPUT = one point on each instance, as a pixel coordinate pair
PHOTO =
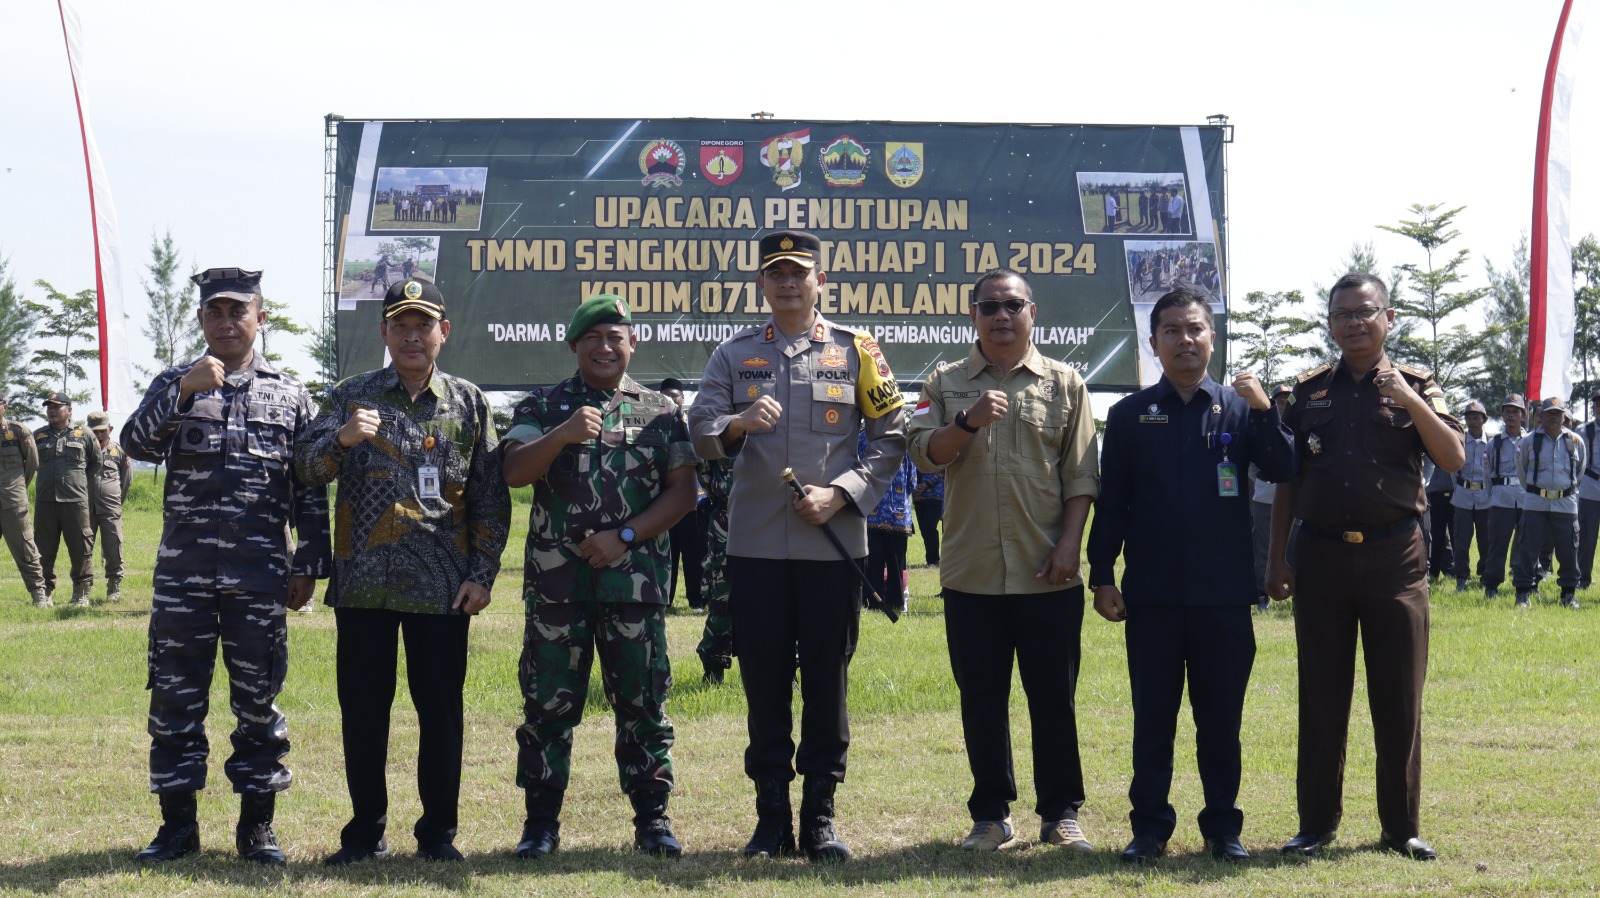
(107, 487)
(19, 459)
(66, 456)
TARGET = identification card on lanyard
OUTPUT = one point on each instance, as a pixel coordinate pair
(1227, 471)
(428, 481)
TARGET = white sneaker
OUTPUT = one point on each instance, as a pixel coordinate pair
(989, 835)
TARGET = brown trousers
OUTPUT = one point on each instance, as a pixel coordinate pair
(1379, 590)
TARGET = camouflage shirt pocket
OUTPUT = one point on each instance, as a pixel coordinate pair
(267, 429)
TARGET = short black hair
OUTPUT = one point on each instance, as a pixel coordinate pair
(670, 383)
(1360, 280)
(995, 274)
(1182, 296)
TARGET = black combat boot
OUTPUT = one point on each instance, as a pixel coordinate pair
(541, 834)
(652, 828)
(254, 837)
(179, 835)
(817, 837)
(774, 833)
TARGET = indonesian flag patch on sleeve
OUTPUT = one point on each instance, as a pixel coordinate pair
(922, 408)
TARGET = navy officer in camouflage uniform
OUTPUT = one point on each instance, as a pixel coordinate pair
(67, 453)
(421, 518)
(613, 470)
(227, 569)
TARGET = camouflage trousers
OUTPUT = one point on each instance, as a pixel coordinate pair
(185, 627)
(558, 647)
(716, 642)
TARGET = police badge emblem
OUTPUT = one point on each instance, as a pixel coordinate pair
(1314, 443)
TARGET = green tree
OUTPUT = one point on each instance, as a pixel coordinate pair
(1451, 352)
(73, 320)
(324, 354)
(1505, 352)
(16, 326)
(1273, 345)
(171, 325)
(279, 321)
(1586, 298)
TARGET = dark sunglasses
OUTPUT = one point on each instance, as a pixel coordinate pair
(990, 307)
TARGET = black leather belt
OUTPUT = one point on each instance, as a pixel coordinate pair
(1503, 481)
(1469, 484)
(1360, 536)
(1591, 474)
(1552, 494)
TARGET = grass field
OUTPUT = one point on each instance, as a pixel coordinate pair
(1510, 798)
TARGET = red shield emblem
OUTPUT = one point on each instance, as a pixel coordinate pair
(722, 161)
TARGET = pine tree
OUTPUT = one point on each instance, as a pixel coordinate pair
(72, 320)
(1586, 297)
(278, 322)
(16, 327)
(1451, 352)
(171, 325)
(1272, 346)
(1505, 354)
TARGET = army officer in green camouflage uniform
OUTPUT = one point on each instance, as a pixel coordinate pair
(613, 469)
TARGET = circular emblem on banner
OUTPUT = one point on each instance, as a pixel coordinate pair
(661, 162)
(752, 391)
(831, 416)
(413, 290)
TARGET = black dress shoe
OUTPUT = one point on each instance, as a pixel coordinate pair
(351, 854)
(1309, 844)
(439, 851)
(1413, 848)
(1142, 849)
(1227, 848)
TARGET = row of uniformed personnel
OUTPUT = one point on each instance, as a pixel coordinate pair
(82, 477)
(423, 512)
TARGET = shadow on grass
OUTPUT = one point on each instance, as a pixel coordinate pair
(938, 861)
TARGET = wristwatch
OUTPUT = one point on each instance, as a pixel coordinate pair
(626, 534)
(961, 422)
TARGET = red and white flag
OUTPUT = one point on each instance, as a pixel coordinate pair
(116, 371)
(1552, 319)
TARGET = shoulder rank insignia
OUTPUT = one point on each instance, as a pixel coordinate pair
(1320, 369)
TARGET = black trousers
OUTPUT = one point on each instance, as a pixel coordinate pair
(781, 607)
(436, 672)
(1440, 517)
(1502, 528)
(929, 513)
(1468, 520)
(1216, 648)
(1588, 529)
(1041, 633)
(1556, 529)
(688, 540)
(886, 563)
(1377, 590)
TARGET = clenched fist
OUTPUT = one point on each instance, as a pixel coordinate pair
(584, 425)
(207, 374)
(362, 426)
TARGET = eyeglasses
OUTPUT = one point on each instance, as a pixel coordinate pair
(1368, 313)
(990, 307)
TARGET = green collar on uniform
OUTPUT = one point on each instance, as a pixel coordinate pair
(393, 382)
(577, 386)
(977, 362)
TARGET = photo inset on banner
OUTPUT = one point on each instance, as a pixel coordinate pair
(371, 264)
(1134, 203)
(428, 199)
(1156, 267)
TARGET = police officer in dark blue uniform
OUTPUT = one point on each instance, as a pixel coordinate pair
(228, 568)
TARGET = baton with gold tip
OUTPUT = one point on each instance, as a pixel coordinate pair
(877, 601)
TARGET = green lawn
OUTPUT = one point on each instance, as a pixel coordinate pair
(1509, 797)
(467, 219)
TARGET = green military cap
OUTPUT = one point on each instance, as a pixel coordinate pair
(607, 308)
(99, 421)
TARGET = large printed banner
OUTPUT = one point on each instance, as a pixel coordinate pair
(519, 221)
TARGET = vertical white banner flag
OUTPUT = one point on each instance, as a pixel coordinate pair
(1552, 319)
(116, 370)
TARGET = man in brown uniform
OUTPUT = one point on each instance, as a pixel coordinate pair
(19, 459)
(1361, 426)
(108, 484)
(67, 453)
